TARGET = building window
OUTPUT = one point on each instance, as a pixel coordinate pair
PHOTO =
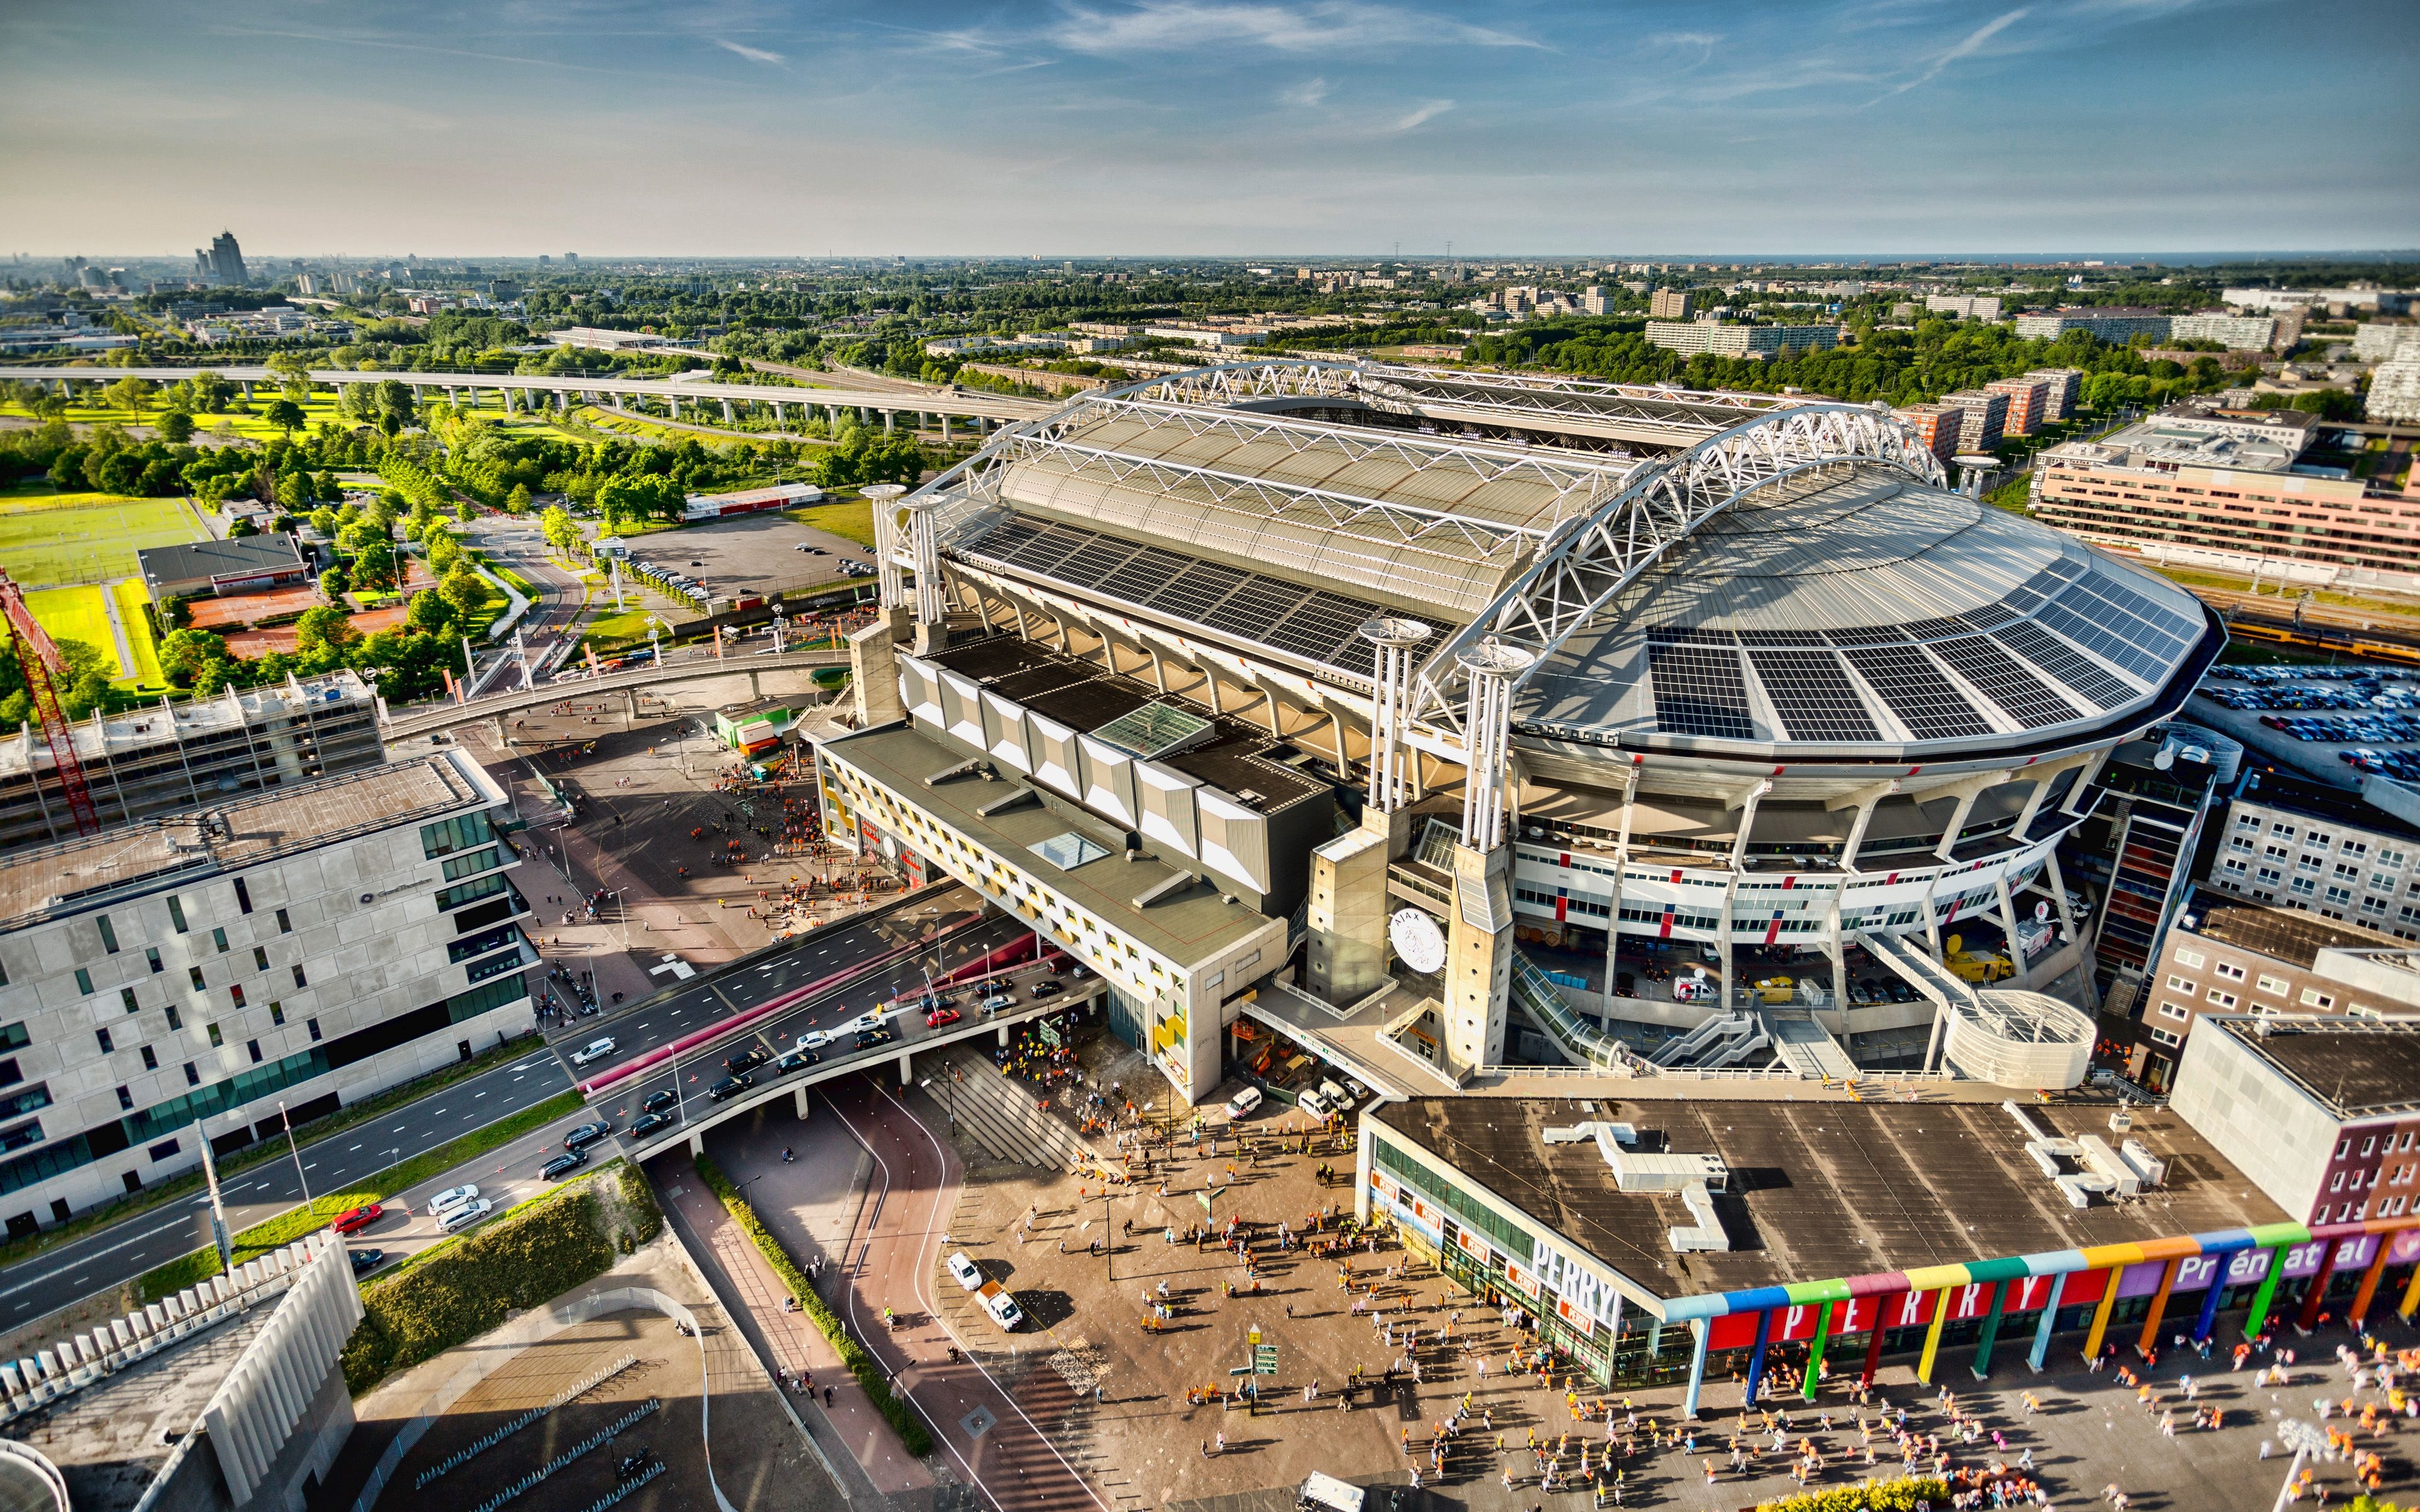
(84, 981)
(299, 979)
(193, 973)
(277, 1012)
(313, 1024)
(2355, 847)
(2180, 985)
(2374, 904)
(242, 895)
(150, 1061)
(284, 925)
(218, 937)
(2272, 985)
(254, 1045)
(459, 833)
(2303, 886)
(175, 1020)
(259, 959)
(2369, 1147)
(162, 1150)
(2339, 895)
(176, 913)
(2337, 1184)
(108, 933)
(216, 1040)
(125, 1100)
(151, 955)
(2189, 958)
(2229, 970)
(234, 993)
(2352, 872)
(2163, 1037)
(2313, 997)
(126, 996)
(193, 1074)
(102, 1035)
(2176, 1010)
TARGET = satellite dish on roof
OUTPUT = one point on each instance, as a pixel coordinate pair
(2042, 913)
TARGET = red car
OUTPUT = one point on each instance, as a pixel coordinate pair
(940, 1017)
(357, 1220)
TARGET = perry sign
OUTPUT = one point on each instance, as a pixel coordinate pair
(1581, 1298)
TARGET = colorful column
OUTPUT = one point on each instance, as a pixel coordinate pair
(2150, 1339)
(2049, 1321)
(2208, 1318)
(1815, 1351)
(2316, 1297)
(2411, 1296)
(2259, 1317)
(1756, 1356)
(2092, 1340)
(2360, 1309)
(1874, 1344)
(1983, 1365)
(1704, 1329)
(1933, 1335)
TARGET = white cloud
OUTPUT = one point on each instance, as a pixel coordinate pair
(1967, 47)
(1306, 95)
(1324, 25)
(1428, 110)
(754, 55)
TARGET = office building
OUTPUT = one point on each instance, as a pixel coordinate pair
(222, 261)
(1986, 418)
(2063, 389)
(1593, 301)
(1145, 630)
(2299, 845)
(2224, 482)
(160, 759)
(175, 978)
(1719, 339)
(1937, 426)
(1672, 304)
(2113, 324)
(597, 338)
(2321, 1111)
(2027, 398)
(2236, 333)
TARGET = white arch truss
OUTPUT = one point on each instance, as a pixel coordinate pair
(1595, 557)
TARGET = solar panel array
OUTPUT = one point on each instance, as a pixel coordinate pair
(2065, 663)
(2123, 625)
(1699, 691)
(1918, 693)
(1812, 695)
(1311, 623)
(2005, 684)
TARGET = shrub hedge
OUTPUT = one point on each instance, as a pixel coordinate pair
(1909, 1494)
(522, 1260)
(912, 1433)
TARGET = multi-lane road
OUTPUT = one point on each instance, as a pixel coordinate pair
(117, 1253)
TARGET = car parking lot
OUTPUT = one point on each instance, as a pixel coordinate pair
(752, 555)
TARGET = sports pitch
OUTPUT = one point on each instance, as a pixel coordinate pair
(52, 540)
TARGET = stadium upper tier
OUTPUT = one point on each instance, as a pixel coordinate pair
(1794, 581)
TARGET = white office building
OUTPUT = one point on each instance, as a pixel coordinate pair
(312, 944)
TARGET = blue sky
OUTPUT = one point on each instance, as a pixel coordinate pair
(1251, 127)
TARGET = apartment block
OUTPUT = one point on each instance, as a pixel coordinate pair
(1937, 425)
(1986, 418)
(1672, 304)
(2063, 389)
(2236, 333)
(1691, 337)
(2294, 844)
(2114, 324)
(171, 980)
(2027, 398)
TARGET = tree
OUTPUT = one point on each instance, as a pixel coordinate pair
(185, 653)
(333, 583)
(176, 428)
(324, 519)
(562, 530)
(293, 488)
(430, 612)
(375, 568)
(324, 630)
(444, 549)
(517, 502)
(643, 495)
(465, 589)
(242, 528)
(210, 392)
(285, 415)
(395, 405)
(130, 394)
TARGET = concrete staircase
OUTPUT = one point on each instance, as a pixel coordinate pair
(1805, 1047)
(1001, 1115)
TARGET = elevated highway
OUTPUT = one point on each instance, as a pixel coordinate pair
(526, 390)
(691, 667)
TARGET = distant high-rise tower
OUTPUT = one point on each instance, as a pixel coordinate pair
(223, 263)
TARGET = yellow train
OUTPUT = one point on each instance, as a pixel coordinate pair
(2342, 642)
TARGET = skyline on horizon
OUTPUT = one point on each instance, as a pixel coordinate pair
(1214, 128)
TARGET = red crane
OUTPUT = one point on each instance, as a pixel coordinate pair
(37, 658)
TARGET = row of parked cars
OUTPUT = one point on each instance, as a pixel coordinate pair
(2248, 699)
(2397, 728)
(2402, 766)
(1319, 1102)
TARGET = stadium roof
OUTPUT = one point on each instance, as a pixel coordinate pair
(1808, 589)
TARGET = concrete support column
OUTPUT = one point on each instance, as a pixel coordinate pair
(2008, 923)
(1723, 936)
(562, 401)
(1838, 953)
(945, 429)
(1704, 1330)
(726, 412)
(2040, 1351)
(755, 689)
(631, 703)
(803, 1100)
(906, 1076)
(1940, 1032)
(890, 421)
(1003, 1036)
(697, 1146)
(1857, 834)
(1613, 904)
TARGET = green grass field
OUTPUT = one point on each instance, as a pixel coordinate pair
(51, 540)
(851, 519)
(76, 614)
(133, 601)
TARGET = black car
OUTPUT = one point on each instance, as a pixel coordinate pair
(879, 1034)
(367, 1260)
(1047, 989)
(659, 1102)
(562, 1165)
(729, 1086)
(748, 1060)
(796, 1060)
(652, 1122)
(586, 1134)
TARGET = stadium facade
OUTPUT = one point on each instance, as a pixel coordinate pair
(1244, 665)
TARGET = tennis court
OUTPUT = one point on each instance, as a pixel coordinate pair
(52, 540)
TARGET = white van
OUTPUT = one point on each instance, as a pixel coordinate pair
(1326, 1493)
(1002, 1307)
(1312, 1103)
(1243, 1103)
(457, 1219)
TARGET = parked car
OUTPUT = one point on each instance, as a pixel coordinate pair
(818, 1039)
(652, 1122)
(748, 1060)
(453, 1197)
(1243, 1103)
(593, 1050)
(1334, 1096)
(967, 1274)
(367, 1260)
(465, 1216)
(354, 1220)
(662, 1100)
(1047, 989)
(1001, 1306)
(1312, 1103)
(729, 1086)
(997, 1001)
(876, 1034)
(942, 1018)
(795, 1060)
(562, 1165)
(587, 1134)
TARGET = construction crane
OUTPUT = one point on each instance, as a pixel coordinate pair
(38, 661)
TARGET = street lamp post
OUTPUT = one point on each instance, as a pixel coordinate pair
(2306, 1440)
(291, 1150)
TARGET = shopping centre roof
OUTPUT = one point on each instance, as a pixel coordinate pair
(1821, 1190)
